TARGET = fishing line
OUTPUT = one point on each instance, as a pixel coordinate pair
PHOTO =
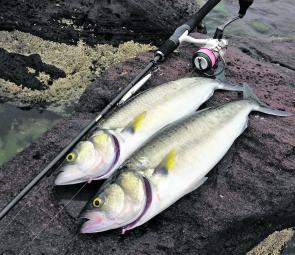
(25, 206)
(53, 218)
(18, 213)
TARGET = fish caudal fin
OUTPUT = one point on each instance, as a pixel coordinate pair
(229, 86)
(248, 94)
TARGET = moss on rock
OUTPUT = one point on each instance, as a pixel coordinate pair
(81, 64)
(273, 244)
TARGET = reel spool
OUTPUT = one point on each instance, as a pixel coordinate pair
(204, 59)
(208, 62)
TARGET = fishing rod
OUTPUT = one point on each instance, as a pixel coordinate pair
(160, 56)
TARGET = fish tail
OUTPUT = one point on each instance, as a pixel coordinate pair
(248, 94)
(229, 86)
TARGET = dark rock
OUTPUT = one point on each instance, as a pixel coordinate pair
(95, 20)
(15, 68)
(248, 195)
(281, 52)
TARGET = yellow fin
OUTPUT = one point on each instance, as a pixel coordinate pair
(136, 123)
(170, 159)
(167, 164)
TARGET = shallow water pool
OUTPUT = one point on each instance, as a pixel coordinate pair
(20, 126)
(264, 18)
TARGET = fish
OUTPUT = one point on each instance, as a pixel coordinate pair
(172, 164)
(128, 127)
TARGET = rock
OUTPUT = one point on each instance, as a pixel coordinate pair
(56, 73)
(281, 52)
(95, 20)
(22, 70)
(289, 247)
(249, 194)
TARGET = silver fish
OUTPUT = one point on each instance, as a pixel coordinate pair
(172, 164)
(130, 126)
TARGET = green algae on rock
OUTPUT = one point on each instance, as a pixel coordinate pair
(259, 26)
(81, 64)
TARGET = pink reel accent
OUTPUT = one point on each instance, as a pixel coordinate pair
(210, 54)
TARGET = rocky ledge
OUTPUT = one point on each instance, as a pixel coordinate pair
(249, 194)
(35, 72)
(95, 20)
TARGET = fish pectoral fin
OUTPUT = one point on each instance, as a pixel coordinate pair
(197, 185)
(167, 164)
(136, 124)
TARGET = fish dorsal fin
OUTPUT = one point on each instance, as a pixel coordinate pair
(167, 164)
(136, 124)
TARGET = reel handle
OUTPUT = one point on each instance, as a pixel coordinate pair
(244, 5)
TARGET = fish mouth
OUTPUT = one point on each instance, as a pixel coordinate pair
(96, 222)
(71, 175)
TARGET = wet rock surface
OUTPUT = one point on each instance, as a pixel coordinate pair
(249, 194)
(95, 20)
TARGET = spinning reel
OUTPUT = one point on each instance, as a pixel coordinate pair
(209, 59)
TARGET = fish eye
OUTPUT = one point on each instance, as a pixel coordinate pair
(71, 157)
(97, 202)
